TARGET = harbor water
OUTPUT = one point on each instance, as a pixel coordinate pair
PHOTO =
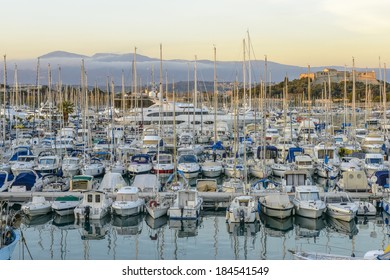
(140, 237)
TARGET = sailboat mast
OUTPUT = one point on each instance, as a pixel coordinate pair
(50, 98)
(345, 98)
(161, 92)
(215, 96)
(195, 96)
(174, 131)
(250, 72)
(244, 97)
(353, 94)
(384, 99)
(366, 99)
(123, 95)
(309, 101)
(4, 96)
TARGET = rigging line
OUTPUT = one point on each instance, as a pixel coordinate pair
(25, 243)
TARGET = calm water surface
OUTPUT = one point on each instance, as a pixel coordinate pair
(61, 238)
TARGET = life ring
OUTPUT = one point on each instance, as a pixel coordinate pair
(153, 203)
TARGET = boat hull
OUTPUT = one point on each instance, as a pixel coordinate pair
(280, 213)
(7, 250)
(341, 214)
(126, 211)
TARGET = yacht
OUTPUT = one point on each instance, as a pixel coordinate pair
(140, 164)
(127, 202)
(340, 206)
(242, 209)
(186, 206)
(188, 164)
(307, 202)
(95, 205)
(276, 204)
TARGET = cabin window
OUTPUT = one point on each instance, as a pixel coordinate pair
(322, 153)
(89, 198)
(97, 198)
(310, 196)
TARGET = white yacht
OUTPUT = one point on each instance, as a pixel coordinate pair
(373, 162)
(127, 202)
(340, 206)
(242, 209)
(276, 204)
(186, 206)
(37, 206)
(140, 164)
(188, 164)
(307, 202)
(95, 205)
(71, 166)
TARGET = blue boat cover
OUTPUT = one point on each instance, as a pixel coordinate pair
(291, 153)
(27, 179)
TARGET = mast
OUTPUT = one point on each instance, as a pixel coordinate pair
(353, 95)
(244, 97)
(366, 99)
(265, 83)
(330, 103)
(161, 92)
(195, 96)
(4, 97)
(82, 98)
(174, 131)
(123, 95)
(215, 96)
(250, 73)
(309, 101)
(50, 98)
(384, 98)
(345, 98)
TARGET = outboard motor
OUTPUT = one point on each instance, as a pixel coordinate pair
(87, 211)
(242, 216)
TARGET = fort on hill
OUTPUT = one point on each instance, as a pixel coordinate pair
(336, 76)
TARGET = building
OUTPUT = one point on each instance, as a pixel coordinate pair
(337, 76)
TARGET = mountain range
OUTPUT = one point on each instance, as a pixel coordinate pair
(103, 66)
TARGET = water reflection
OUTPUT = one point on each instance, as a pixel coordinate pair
(37, 221)
(276, 227)
(243, 229)
(210, 237)
(307, 227)
(343, 227)
(64, 222)
(156, 223)
(94, 229)
(127, 225)
(185, 228)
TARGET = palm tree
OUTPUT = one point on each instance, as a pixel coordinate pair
(67, 108)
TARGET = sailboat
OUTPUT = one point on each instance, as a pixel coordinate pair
(214, 167)
(158, 206)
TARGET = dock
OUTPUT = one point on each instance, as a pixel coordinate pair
(211, 200)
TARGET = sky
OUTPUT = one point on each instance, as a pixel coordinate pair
(301, 32)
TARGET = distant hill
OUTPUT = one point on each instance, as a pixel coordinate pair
(102, 66)
(62, 54)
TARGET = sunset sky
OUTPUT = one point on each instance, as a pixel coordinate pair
(297, 32)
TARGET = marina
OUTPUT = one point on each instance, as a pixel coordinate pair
(108, 166)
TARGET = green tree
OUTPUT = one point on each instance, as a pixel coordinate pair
(67, 108)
